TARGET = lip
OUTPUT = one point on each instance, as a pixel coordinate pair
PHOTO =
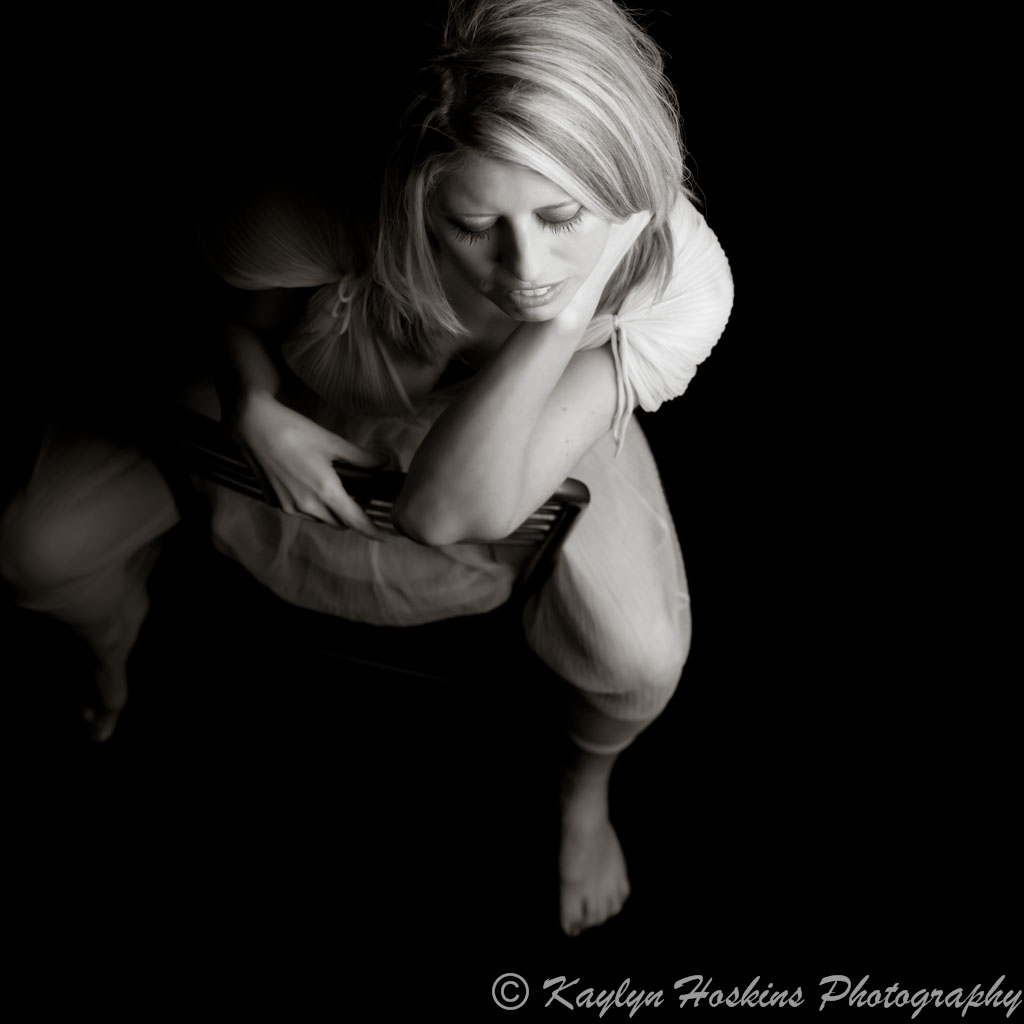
(530, 298)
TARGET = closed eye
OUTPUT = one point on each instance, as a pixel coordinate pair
(558, 227)
(569, 224)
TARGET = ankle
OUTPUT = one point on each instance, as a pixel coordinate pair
(584, 798)
(112, 638)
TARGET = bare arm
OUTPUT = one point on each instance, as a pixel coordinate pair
(295, 453)
(244, 365)
(520, 427)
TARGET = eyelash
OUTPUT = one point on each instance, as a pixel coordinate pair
(557, 227)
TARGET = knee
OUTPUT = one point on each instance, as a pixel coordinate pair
(46, 546)
(83, 520)
(36, 551)
(642, 672)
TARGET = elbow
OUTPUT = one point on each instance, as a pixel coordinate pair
(435, 523)
(430, 530)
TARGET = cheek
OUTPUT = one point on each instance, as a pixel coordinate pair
(582, 249)
(472, 261)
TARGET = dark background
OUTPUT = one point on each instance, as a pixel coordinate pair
(830, 790)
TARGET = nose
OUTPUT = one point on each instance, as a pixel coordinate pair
(524, 253)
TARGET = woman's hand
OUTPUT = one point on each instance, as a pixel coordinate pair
(296, 455)
(621, 238)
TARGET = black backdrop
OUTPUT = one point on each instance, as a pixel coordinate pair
(838, 738)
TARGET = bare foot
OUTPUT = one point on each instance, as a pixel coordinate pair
(592, 869)
(102, 710)
(100, 723)
(110, 648)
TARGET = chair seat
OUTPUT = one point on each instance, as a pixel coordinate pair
(464, 648)
(459, 650)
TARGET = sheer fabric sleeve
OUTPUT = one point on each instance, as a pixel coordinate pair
(658, 341)
(285, 240)
(275, 240)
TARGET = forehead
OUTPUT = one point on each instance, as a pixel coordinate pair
(483, 185)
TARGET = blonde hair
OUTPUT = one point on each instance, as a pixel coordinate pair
(574, 90)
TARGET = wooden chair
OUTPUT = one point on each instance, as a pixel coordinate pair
(196, 445)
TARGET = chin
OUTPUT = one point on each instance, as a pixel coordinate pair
(536, 315)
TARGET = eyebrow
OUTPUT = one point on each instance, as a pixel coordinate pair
(551, 207)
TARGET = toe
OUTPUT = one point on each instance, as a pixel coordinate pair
(100, 723)
(570, 916)
(611, 908)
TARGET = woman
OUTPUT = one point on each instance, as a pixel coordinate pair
(535, 272)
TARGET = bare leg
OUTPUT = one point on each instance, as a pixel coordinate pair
(613, 621)
(592, 869)
(109, 629)
(78, 544)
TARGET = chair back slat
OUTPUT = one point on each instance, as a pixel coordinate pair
(198, 446)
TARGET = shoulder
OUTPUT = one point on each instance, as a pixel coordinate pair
(698, 274)
(694, 242)
(276, 238)
(664, 333)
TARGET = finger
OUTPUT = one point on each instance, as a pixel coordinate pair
(296, 500)
(276, 488)
(346, 451)
(346, 511)
(275, 491)
(313, 509)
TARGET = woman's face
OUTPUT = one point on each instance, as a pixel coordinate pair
(515, 237)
